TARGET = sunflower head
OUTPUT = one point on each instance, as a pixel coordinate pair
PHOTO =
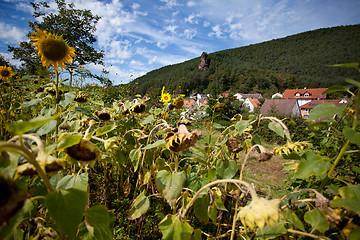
(52, 49)
(165, 97)
(5, 73)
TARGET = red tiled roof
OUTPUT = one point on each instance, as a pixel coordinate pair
(255, 102)
(314, 103)
(188, 102)
(313, 93)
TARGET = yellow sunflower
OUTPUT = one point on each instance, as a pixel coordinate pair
(5, 73)
(52, 49)
(165, 97)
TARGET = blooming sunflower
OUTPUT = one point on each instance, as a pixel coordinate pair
(165, 97)
(52, 49)
(5, 73)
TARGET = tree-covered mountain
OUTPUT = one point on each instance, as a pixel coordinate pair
(295, 61)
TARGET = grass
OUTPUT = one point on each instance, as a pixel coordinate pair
(268, 177)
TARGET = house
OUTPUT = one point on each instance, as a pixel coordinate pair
(251, 104)
(198, 97)
(276, 95)
(281, 106)
(305, 95)
(306, 108)
(192, 108)
(243, 96)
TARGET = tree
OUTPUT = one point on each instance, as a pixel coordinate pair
(77, 26)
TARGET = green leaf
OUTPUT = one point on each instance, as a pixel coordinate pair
(335, 88)
(194, 182)
(350, 198)
(317, 220)
(22, 127)
(354, 235)
(105, 129)
(98, 220)
(69, 97)
(352, 135)
(74, 181)
(170, 185)
(148, 120)
(48, 127)
(158, 143)
(201, 205)
(30, 103)
(312, 164)
(67, 208)
(173, 228)
(271, 232)
(226, 169)
(135, 155)
(219, 204)
(196, 235)
(348, 65)
(353, 82)
(240, 126)
(325, 110)
(83, 111)
(68, 141)
(139, 207)
(276, 127)
(293, 219)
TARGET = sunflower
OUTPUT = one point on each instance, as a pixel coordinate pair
(52, 49)
(165, 97)
(5, 73)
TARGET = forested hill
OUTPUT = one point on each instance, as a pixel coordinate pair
(295, 61)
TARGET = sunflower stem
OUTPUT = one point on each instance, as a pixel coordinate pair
(57, 104)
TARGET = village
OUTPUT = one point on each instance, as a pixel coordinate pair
(293, 102)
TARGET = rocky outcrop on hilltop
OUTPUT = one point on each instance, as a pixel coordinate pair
(204, 61)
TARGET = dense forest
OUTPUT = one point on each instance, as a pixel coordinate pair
(296, 61)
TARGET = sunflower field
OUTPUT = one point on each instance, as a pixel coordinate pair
(74, 166)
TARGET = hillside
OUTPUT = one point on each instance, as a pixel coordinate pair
(295, 61)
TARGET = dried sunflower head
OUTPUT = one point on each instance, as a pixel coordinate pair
(139, 107)
(52, 165)
(259, 213)
(103, 115)
(12, 199)
(234, 145)
(179, 102)
(219, 107)
(183, 139)
(84, 152)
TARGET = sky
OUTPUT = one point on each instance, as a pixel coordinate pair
(139, 36)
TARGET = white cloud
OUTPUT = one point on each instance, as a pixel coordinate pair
(216, 31)
(169, 4)
(8, 57)
(171, 29)
(11, 34)
(191, 3)
(189, 33)
(190, 19)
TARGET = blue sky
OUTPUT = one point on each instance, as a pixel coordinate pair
(142, 35)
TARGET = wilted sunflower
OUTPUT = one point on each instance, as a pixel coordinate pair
(84, 152)
(182, 140)
(165, 97)
(53, 49)
(5, 73)
(179, 102)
